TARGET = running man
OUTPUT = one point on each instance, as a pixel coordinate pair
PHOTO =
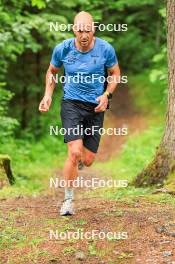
(84, 102)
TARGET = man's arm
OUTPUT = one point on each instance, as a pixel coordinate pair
(50, 86)
(113, 79)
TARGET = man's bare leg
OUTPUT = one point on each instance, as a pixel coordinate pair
(88, 157)
(70, 173)
(76, 152)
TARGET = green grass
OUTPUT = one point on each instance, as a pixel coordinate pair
(69, 250)
(124, 255)
(92, 249)
(11, 238)
(136, 153)
(32, 164)
(161, 198)
(80, 222)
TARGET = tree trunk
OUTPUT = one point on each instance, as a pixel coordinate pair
(5, 164)
(163, 163)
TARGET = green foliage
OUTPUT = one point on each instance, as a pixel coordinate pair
(25, 51)
(7, 124)
(149, 97)
(159, 71)
(39, 3)
(27, 44)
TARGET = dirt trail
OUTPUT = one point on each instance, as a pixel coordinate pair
(150, 228)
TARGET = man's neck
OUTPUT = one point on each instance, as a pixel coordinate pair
(85, 49)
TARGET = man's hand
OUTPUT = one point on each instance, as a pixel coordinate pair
(103, 103)
(45, 104)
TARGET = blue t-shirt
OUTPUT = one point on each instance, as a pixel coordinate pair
(84, 71)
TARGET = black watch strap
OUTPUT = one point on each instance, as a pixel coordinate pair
(110, 96)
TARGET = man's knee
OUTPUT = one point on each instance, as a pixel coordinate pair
(75, 154)
(75, 150)
(89, 160)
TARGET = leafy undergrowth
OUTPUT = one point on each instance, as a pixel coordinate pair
(149, 96)
(32, 164)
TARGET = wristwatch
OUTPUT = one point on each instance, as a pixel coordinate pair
(109, 95)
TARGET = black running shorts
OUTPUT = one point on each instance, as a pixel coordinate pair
(79, 121)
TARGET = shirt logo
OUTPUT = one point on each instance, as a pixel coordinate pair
(71, 59)
(94, 57)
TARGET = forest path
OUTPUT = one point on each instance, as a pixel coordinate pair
(143, 231)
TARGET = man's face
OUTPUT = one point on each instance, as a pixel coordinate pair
(84, 34)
